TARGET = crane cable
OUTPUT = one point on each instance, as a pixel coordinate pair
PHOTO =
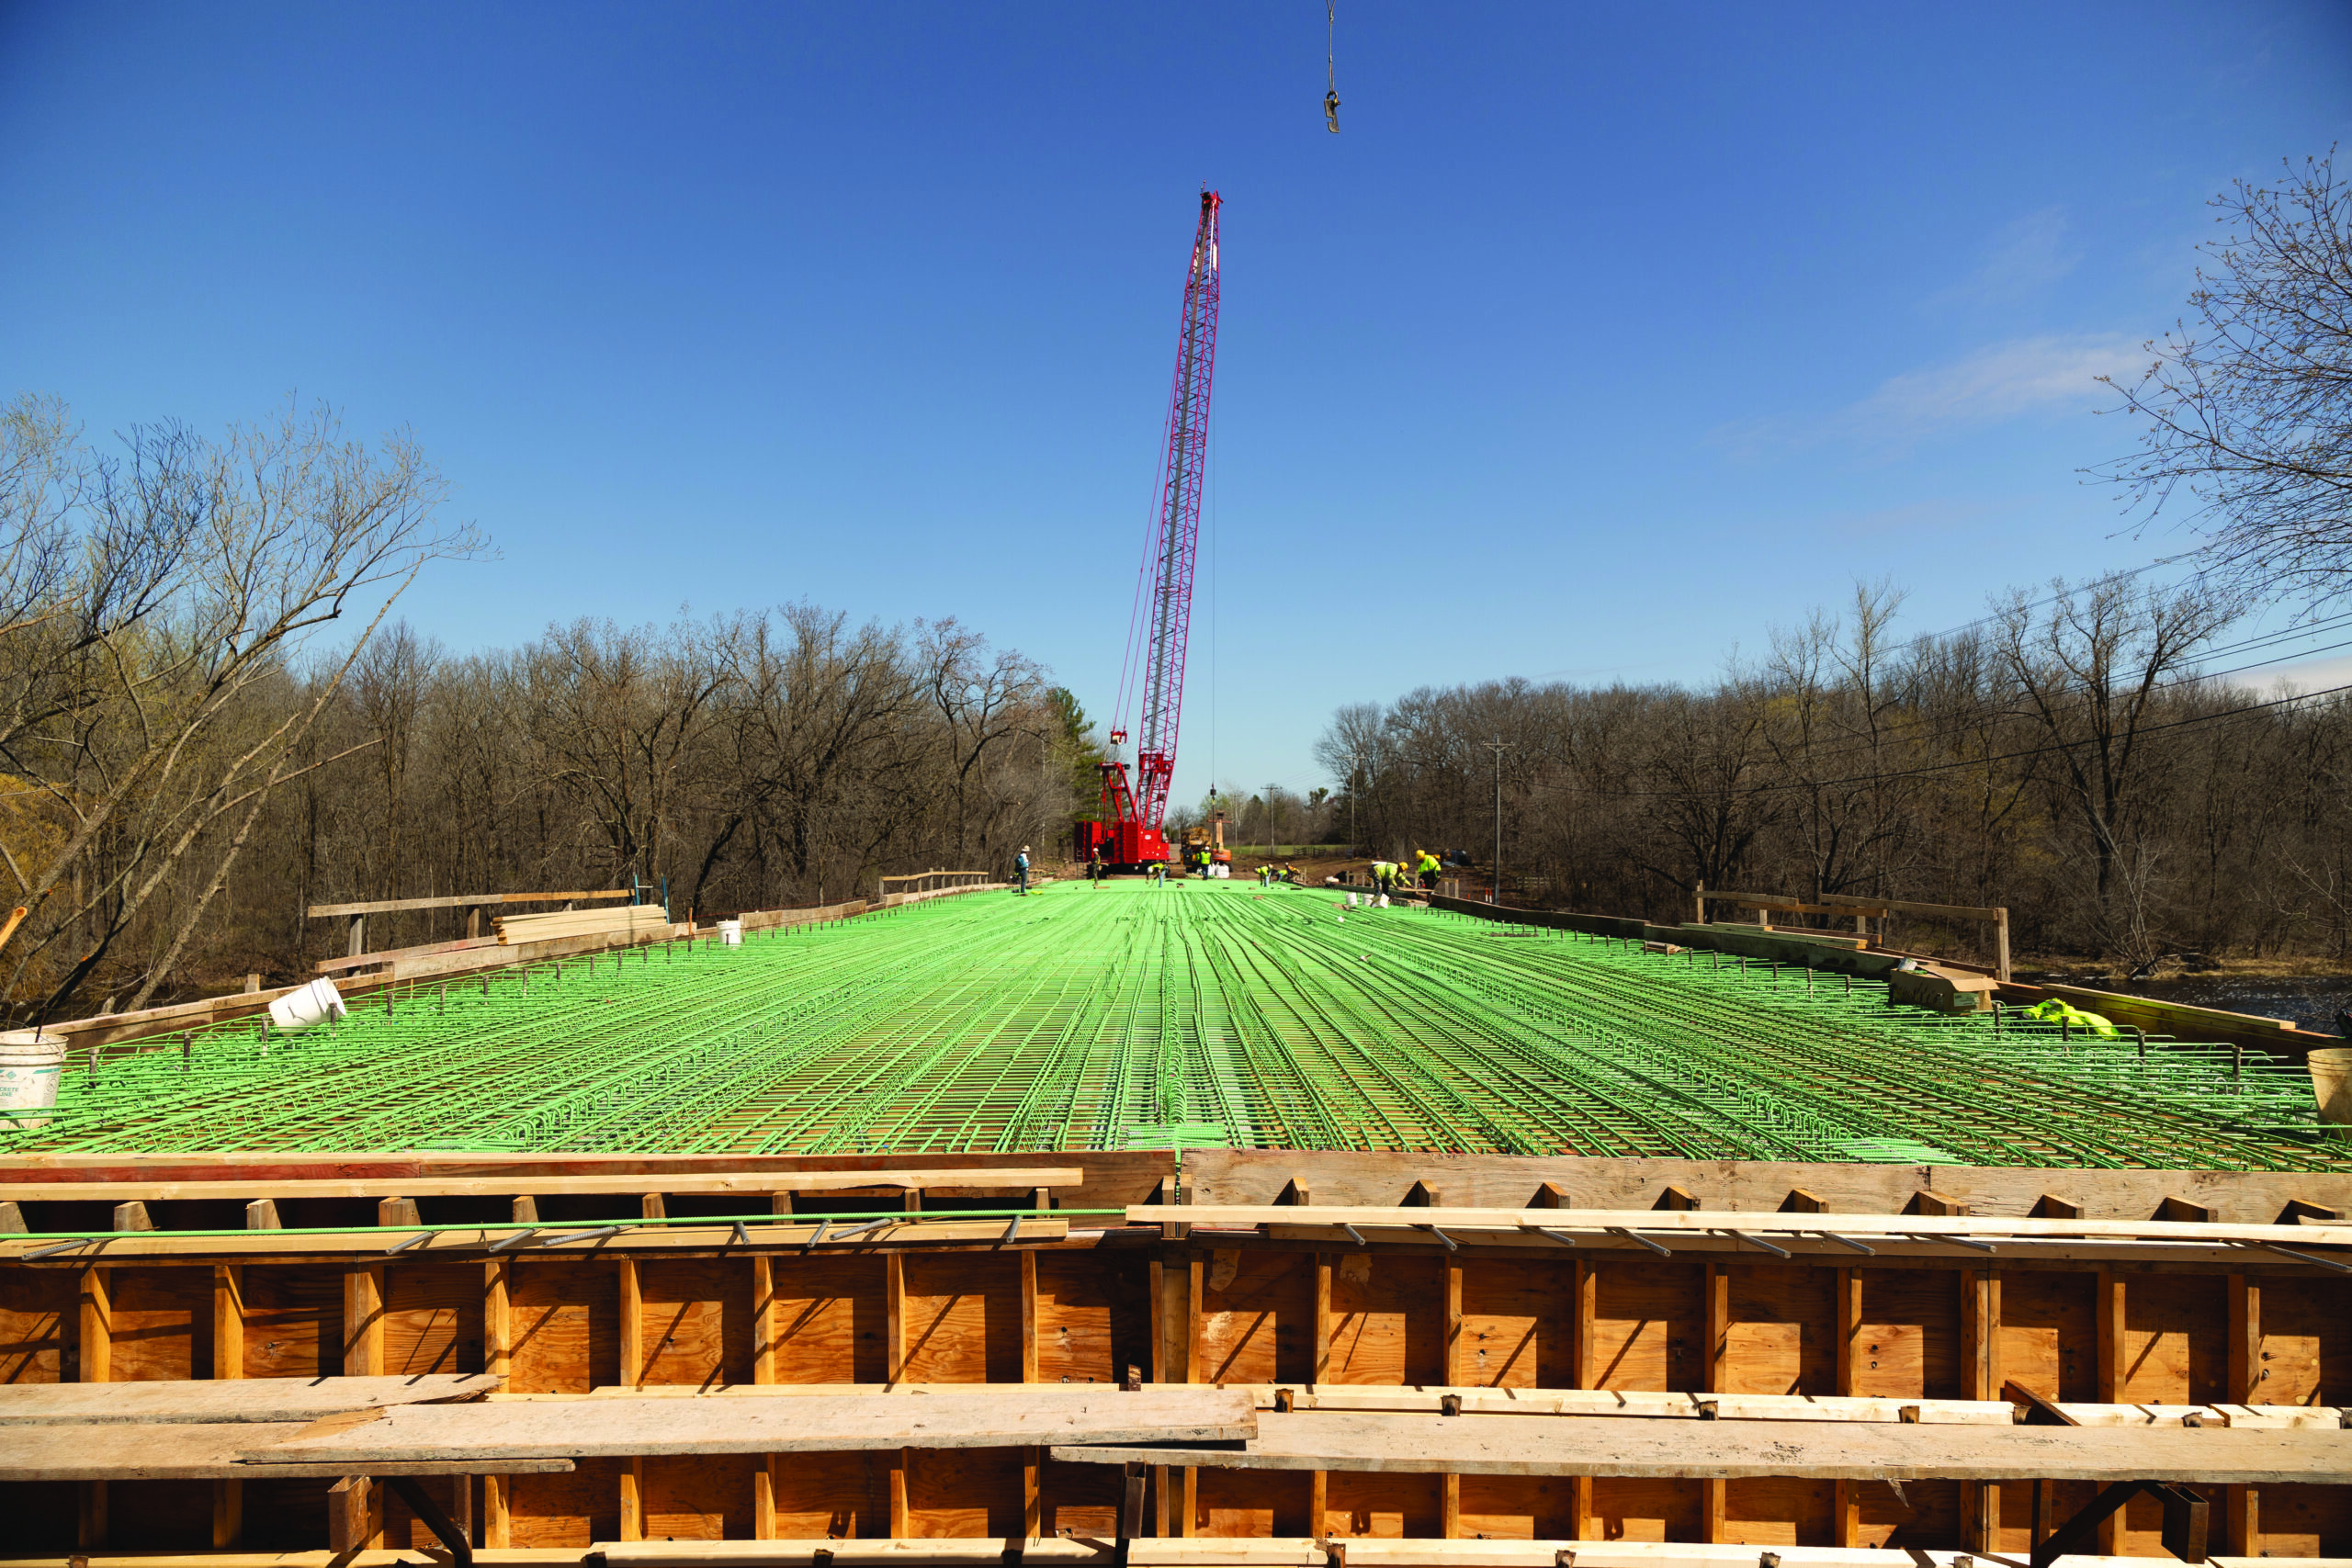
(1330, 65)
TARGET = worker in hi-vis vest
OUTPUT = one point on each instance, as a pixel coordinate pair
(1429, 872)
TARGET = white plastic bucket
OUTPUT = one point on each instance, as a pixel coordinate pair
(730, 933)
(1383, 900)
(1351, 900)
(311, 1004)
(2331, 1070)
(29, 1069)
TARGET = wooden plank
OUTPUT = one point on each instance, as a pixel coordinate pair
(1220, 1177)
(457, 901)
(1521, 1445)
(200, 1451)
(217, 1401)
(468, 1243)
(1664, 1221)
(751, 1184)
(1004, 1417)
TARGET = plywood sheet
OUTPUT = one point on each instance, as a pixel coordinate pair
(2176, 1347)
(433, 1318)
(1649, 1325)
(567, 1510)
(1094, 1321)
(162, 1321)
(1384, 1508)
(835, 1496)
(37, 1309)
(1782, 1332)
(1518, 1507)
(565, 1319)
(833, 1317)
(1230, 1504)
(963, 1318)
(1633, 1508)
(2049, 1338)
(1257, 1317)
(697, 1322)
(1908, 1343)
(1518, 1325)
(702, 1498)
(1779, 1510)
(964, 1493)
(2306, 1342)
(293, 1321)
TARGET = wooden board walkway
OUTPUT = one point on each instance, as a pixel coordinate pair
(1573, 1445)
(226, 1400)
(1001, 1418)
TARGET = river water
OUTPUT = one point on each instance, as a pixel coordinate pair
(2311, 1002)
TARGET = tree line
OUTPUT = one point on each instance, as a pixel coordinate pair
(199, 743)
(2078, 758)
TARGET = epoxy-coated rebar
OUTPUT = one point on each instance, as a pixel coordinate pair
(1195, 1014)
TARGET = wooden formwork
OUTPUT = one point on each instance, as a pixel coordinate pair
(1090, 1298)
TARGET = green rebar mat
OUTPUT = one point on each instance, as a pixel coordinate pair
(1197, 1014)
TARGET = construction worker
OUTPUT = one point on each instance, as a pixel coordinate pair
(1428, 867)
(1290, 874)
(1094, 868)
(1021, 870)
(1383, 875)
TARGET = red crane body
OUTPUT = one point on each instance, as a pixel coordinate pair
(1129, 834)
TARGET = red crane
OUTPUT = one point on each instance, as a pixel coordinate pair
(1129, 831)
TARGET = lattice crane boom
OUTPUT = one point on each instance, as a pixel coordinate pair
(1130, 833)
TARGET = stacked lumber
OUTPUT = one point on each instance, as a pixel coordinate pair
(627, 920)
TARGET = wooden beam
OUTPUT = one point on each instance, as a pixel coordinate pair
(2112, 1375)
(363, 1321)
(1846, 1503)
(630, 1373)
(96, 1325)
(894, 1345)
(632, 1487)
(764, 1480)
(1456, 1359)
(1028, 1317)
(228, 1366)
(2240, 1526)
(756, 1185)
(457, 901)
(766, 1334)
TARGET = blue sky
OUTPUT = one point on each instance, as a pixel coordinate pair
(1600, 340)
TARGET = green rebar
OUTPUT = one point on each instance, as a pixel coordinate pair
(1200, 1014)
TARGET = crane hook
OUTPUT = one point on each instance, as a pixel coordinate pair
(1330, 65)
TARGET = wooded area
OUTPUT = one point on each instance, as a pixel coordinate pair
(199, 743)
(2110, 762)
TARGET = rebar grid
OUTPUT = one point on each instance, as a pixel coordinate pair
(1195, 1014)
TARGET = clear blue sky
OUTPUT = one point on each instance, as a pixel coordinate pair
(1602, 338)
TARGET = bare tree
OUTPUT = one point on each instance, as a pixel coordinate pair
(2249, 409)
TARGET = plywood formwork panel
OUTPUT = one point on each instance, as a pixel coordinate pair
(1092, 1322)
(1387, 1320)
(701, 1498)
(2048, 1333)
(1631, 1508)
(1517, 1325)
(1517, 1507)
(1245, 1504)
(1081, 1498)
(694, 1322)
(293, 1321)
(1781, 1331)
(833, 1320)
(36, 1310)
(565, 1323)
(1908, 1341)
(1257, 1317)
(1773, 1510)
(1927, 1515)
(2305, 1342)
(404, 1531)
(2304, 1521)
(567, 1510)
(1382, 1507)
(161, 1324)
(432, 1319)
(963, 1318)
(963, 1493)
(1649, 1325)
(839, 1496)
(2175, 1344)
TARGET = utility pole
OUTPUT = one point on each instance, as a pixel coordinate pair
(1495, 891)
(1269, 823)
